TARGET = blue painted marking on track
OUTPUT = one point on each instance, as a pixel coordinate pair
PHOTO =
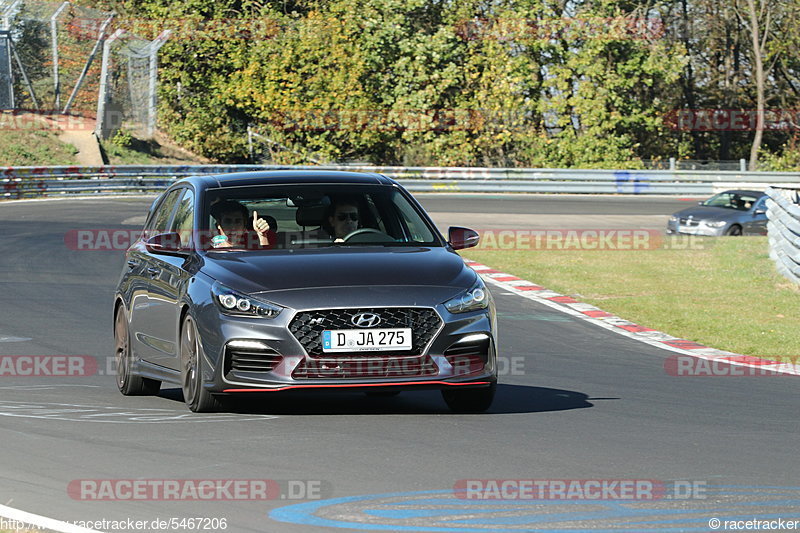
(644, 520)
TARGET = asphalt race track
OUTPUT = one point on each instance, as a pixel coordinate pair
(577, 406)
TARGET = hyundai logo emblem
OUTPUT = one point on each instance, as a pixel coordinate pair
(365, 320)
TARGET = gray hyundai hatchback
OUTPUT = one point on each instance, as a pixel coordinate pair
(261, 282)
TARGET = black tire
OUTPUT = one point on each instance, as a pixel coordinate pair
(129, 383)
(734, 231)
(197, 397)
(469, 400)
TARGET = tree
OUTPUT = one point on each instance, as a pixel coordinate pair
(759, 32)
(513, 83)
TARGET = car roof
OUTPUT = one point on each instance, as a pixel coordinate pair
(745, 191)
(287, 177)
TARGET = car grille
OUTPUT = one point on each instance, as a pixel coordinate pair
(251, 360)
(395, 367)
(468, 357)
(307, 327)
(689, 222)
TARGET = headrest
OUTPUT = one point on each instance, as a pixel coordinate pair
(273, 224)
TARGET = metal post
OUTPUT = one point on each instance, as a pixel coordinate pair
(102, 98)
(672, 163)
(152, 94)
(6, 75)
(250, 143)
(54, 42)
(742, 165)
(8, 13)
(24, 75)
(100, 37)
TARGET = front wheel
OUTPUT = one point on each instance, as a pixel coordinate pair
(197, 397)
(469, 400)
(129, 383)
(734, 230)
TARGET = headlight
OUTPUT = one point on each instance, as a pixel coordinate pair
(673, 219)
(715, 224)
(234, 303)
(472, 300)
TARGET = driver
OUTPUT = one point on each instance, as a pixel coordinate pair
(344, 218)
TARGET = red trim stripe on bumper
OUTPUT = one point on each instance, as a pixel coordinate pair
(345, 385)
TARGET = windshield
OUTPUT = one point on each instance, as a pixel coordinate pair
(279, 217)
(732, 200)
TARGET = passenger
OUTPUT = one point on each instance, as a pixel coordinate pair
(232, 226)
(344, 218)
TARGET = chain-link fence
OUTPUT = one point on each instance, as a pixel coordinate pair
(128, 84)
(58, 58)
(696, 164)
(52, 59)
(6, 81)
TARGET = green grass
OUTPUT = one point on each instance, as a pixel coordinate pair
(726, 295)
(34, 148)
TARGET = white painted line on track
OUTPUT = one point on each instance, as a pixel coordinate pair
(116, 415)
(11, 338)
(42, 522)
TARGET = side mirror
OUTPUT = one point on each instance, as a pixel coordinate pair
(460, 238)
(166, 243)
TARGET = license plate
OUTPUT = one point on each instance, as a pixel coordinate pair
(687, 229)
(355, 340)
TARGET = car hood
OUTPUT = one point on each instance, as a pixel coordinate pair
(268, 271)
(703, 212)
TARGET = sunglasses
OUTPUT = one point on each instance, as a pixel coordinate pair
(343, 216)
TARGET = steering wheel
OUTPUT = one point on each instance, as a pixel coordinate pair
(353, 235)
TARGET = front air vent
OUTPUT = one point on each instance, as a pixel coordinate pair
(400, 367)
(250, 357)
(469, 355)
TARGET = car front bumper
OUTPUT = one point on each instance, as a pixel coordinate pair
(246, 356)
(701, 229)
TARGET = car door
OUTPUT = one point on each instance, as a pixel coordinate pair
(756, 224)
(169, 278)
(146, 303)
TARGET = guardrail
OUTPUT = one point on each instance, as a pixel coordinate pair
(19, 182)
(783, 228)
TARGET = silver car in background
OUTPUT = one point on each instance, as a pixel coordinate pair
(735, 212)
